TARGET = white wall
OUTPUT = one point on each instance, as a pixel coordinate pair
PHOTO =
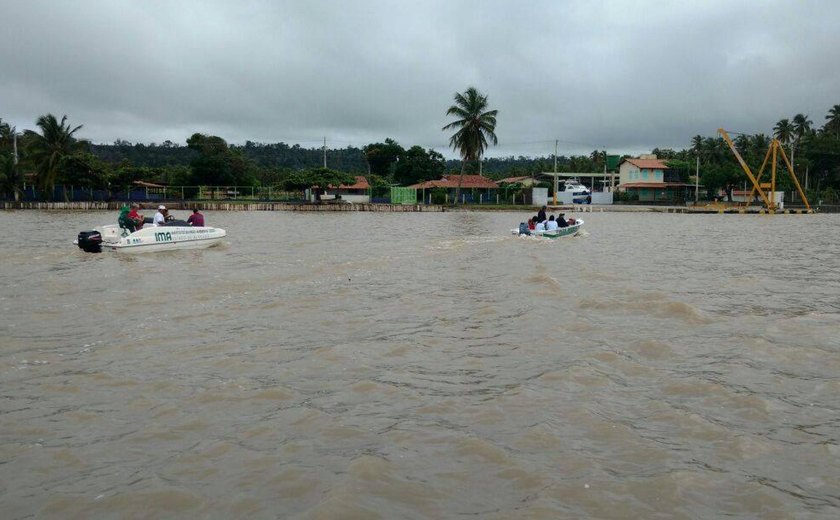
(358, 199)
(600, 197)
(539, 196)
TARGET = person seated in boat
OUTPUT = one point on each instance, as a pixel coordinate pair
(524, 229)
(561, 222)
(160, 216)
(541, 215)
(135, 219)
(540, 226)
(551, 224)
(196, 219)
(572, 221)
(531, 224)
(123, 221)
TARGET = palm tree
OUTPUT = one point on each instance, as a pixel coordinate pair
(48, 148)
(475, 127)
(783, 131)
(801, 126)
(697, 144)
(10, 175)
(832, 124)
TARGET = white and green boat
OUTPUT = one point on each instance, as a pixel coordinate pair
(568, 231)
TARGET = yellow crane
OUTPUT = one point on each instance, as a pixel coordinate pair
(772, 154)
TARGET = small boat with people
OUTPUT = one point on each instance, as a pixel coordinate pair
(541, 227)
(131, 234)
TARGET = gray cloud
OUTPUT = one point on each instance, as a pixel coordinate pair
(626, 76)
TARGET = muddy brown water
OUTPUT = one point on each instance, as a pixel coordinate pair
(369, 365)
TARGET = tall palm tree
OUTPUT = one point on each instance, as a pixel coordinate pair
(783, 131)
(832, 124)
(11, 179)
(801, 127)
(697, 144)
(48, 148)
(475, 127)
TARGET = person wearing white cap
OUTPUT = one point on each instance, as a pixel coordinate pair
(160, 216)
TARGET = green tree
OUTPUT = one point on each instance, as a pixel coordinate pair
(83, 169)
(418, 165)
(11, 177)
(381, 156)
(832, 123)
(697, 144)
(47, 149)
(217, 164)
(783, 131)
(475, 126)
(801, 127)
(317, 177)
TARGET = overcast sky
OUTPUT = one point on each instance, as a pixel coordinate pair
(627, 76)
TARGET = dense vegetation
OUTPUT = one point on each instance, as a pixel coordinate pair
(53, 154)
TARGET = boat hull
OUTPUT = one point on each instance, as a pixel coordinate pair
(162, 238)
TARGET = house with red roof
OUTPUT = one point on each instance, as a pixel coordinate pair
(523, 180)
(474, 188)
(358, 192)
(651, 179)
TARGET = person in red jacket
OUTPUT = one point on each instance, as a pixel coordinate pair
(196, 219)
(135, 218)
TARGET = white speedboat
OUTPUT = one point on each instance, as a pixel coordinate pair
(169, 237)
(568, 231)
(580, 193)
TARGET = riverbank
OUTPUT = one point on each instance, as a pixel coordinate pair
(228, 206)
(391, 208)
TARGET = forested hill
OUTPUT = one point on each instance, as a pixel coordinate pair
(295, 157)
(277, 155)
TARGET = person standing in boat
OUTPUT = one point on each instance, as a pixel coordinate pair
(196, 219)
(541, 215)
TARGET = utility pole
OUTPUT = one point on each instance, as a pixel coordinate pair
(556, 141)
(697, 180)
(14, 137)
(592, 188)
(325, 151)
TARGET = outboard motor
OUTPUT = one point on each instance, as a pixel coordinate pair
(90, 241)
